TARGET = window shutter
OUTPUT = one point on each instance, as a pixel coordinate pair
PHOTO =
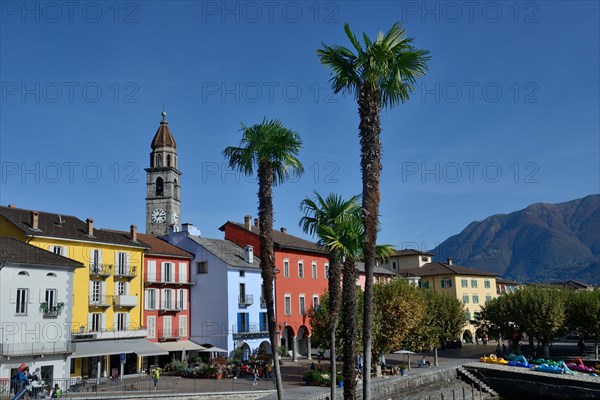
(89, 322)
(173, 298)
(146, 299)
(127, 292)
(151, 271)
(239, 322)
(162, 298)
(163, 268)
(185, 299)
(261, 321)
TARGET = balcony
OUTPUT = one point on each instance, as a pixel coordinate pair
(249, 331)
(100, 301)
(100, 270)
(245, 300)
(52, 310)
(170, 334)
(170, 307)
(125, 301)
(88, 333)
(125, 271)
(154, 279)
(36, 348)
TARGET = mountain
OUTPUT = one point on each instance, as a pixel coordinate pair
(541, 243)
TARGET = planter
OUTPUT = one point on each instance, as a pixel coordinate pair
(219, 376)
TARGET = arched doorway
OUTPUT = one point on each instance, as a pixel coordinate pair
(264, 347)
(287, 340)
(303, 341)
(467, 336)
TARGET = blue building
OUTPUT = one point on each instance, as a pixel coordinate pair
(227, 306)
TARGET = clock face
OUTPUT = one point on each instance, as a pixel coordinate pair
(159, 215)
(175, 218)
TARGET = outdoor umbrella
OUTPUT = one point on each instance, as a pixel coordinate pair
(408, 352)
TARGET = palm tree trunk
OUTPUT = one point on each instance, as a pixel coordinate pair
(334, 306)
(267, 261)
(350, 329)
(369, 107)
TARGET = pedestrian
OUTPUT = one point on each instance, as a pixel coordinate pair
(254, 376)
(581, 346)
(156, 377)
(56, 392)
(269, 370)
(498, 350)
(503, 349)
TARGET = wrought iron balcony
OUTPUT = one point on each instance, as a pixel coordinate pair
(100, 270)
(51, 310)
(249, 330)
(36, 348)
(246, 300)
(170, 307)
(100, 301)
(125, 271)
(170, 334)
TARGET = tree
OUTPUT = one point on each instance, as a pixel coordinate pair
(271, 150)
(380, 74)
(321, 213)
(583, 311)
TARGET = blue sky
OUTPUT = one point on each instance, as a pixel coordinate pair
(508, 114)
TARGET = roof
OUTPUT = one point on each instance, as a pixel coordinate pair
(411, 252)
(64, 227)
(283, 240)
(227, 251)
(570, 284)
(360, 266)
(163, 136)
(439, 268)
(502, 281)
(158, 246)
(15, 251)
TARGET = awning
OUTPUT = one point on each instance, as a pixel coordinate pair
(142, 347)
(180, 345)
(214, 350)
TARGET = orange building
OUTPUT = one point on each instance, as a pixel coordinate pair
(302, 279)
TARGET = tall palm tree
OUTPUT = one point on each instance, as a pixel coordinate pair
(381, 73)
(271, 150)
(329, 212)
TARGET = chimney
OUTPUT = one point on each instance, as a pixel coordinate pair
(133, 232)
(449, 260)
(256, 222)
(247, 223)
(35, 218)
(90, 226)
(249, 254)
(282, 229)
(12, 206)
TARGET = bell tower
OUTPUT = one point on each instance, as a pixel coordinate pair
(162, 183)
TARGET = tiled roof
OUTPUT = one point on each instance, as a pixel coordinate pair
(163, 136)
(360, 266)
(161, 247)
(438, 268)
(502, 281)
(412, 252)
(15, 251)
(283, 240)
(229, 252)
(65, 227)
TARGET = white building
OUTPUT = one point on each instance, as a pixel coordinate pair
(227, 306)
(35, 309)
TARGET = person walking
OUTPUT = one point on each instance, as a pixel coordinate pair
(254, 376)
(156, 377)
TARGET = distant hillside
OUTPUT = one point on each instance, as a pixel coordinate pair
(543, 242)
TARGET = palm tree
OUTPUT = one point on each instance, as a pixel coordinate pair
(329, 212)
(271, 150)
(381, 73)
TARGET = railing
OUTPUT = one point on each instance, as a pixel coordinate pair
(125, 301)
(153, 278)
(36, 348)
(126, 271)
(170, 307)
(246, 300)
(89, 333)
(164, 334)
(101, 270)
(239, 330)
(100, 301)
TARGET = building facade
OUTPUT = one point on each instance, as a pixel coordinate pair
(301, 281)
(35, 308)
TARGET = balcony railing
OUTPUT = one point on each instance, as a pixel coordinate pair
(250, 329)
(170, 307)
(165, 334)
(100, 301)
(89, 333)
(125, 271)
(36, 348)
(100, 270)
(125, 301)
(245, 300)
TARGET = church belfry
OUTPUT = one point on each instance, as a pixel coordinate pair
(162, 182)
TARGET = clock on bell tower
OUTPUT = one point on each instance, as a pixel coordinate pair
(162, 182)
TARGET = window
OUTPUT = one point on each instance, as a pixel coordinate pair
(302, 305)
(464, 283)
(151, 325)
(424, 258)
(488, 297)
(476, 315)
(286, 268)
(150, 297)
(466, 298)
(468, 315)
(326, 271)
(122, 264)
(95, 295)
(424, 284)
(183, 272)
(475, 299)
(242, 293)
(96, 322)
(22, 299)
(95, 260)
(243, 323)
(446, 283)
(50, 298)
(314, 270)
(159, 185)
(121, 289)
(473, 283)
(287, 304)
(181, 300)
(121, 321)
(167, 272)
(394, 265)
(168, 299)
(263, 322)
(183, 325)
(486, 284)
(167, 326)
(58, 250)
(202, 267)
(315, 301)
(242, 274)
(300, 269)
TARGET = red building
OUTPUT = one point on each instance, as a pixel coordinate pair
(167, 298)
(299, 284)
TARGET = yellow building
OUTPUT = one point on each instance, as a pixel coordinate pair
(471, 286)
(107, 294)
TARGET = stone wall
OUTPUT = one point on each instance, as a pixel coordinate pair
(391, 387)
(198, 396)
